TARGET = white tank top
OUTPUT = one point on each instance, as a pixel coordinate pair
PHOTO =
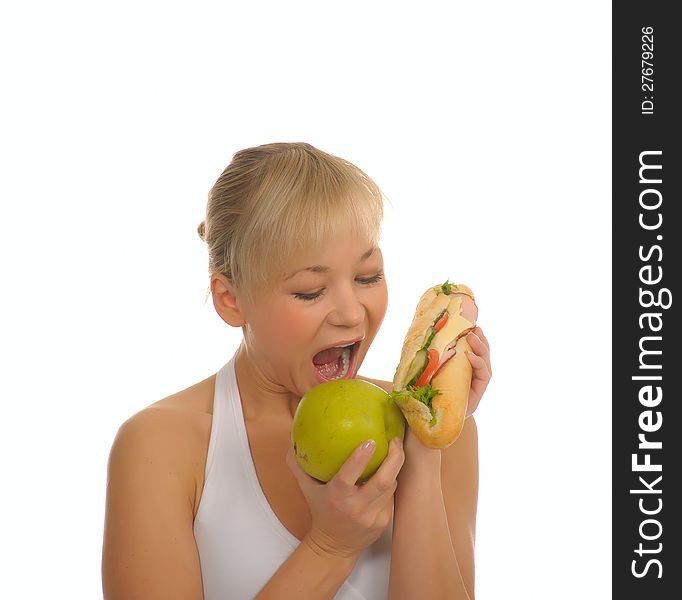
(241, 541)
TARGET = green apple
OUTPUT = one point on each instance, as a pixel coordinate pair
(335, 417)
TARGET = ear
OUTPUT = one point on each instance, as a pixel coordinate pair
(226, 302)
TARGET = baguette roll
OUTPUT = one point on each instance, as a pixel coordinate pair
(432, 380)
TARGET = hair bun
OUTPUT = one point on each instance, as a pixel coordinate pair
(201, 230)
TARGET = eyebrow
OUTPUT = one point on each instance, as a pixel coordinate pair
(324, 269)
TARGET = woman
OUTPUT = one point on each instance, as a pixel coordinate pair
(200, 502)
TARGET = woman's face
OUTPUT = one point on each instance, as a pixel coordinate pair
(341, 300)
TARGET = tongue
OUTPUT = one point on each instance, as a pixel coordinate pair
(331, 355)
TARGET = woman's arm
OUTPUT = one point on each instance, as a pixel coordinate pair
(435, 518)
(309, 573)
(149, 549)
(423, 559)
(459, 478)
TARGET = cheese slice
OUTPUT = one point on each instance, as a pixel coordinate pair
(456, 323)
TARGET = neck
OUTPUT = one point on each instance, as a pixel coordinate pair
(262, 397)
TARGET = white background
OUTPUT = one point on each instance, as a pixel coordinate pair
(488, 126)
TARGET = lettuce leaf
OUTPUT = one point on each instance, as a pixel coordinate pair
(424, 394)
(447, 287)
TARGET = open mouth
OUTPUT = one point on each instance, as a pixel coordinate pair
(336, 363)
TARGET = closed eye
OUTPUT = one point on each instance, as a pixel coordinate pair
(313, 296)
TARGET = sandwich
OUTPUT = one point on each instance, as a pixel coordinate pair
(432, 381)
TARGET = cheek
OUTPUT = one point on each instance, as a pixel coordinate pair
(380, 304)
(292, 324)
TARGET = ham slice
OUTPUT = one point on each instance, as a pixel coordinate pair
(468, 310)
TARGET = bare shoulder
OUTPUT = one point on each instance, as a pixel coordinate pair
(175, 431)
(196, 398)
(154, 469)
(163, 434)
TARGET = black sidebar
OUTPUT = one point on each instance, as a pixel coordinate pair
(647, 270)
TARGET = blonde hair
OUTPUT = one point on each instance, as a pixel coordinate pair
(276, 200)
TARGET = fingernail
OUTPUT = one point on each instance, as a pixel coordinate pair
(398, 442)
(368, 446)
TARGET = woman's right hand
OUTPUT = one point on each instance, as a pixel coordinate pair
(346, 518)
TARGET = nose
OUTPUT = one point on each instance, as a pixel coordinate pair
(348, 310)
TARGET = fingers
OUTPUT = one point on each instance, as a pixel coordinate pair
(479, 332)
(344, 481)
(480, 346)
(383, 483)
(380, 485)
(479, 366)
(480, 373)
(479, 381)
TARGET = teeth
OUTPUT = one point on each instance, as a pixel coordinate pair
(345, 357)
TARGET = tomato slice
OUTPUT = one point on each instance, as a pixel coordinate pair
(431, 366)
(441, 322)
